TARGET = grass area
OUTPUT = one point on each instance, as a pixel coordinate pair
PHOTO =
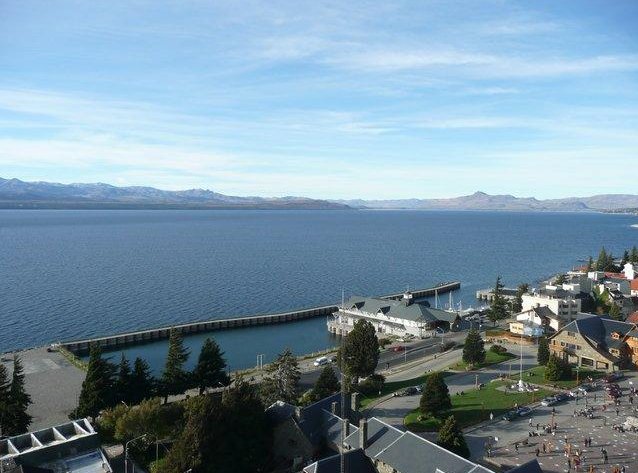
(475, 406)
(73, 358)
(392, 386)
(536, 375)
(491, 358)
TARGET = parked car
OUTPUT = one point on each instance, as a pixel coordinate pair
(560, 397)
(405, 392)
(398, 348)
(523, 411)
(549, 401)
(584, 388)
(419, 388)
(508, 416)
(322, 360)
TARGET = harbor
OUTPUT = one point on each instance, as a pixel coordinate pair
(123, 340)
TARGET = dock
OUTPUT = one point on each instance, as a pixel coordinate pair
(113, 342)
(488, 294)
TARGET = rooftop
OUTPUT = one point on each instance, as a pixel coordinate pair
(415, 311)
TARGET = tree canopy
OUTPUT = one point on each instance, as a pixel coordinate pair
(498, 308)
(474, 348)
(543, 351)
(210, 371)
(18, 419)
(282, 381)
(97, 391)
(142, 383)
(360, 353)
(451, 438)
(175, 379)
(327, 383)
(435, 398)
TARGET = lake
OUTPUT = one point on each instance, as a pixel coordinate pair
(75, 274)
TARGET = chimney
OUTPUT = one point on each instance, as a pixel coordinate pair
(355, 402)
(333, 408)
(345, 431)
(363, 434)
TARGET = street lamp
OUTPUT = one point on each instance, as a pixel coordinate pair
(126, 452)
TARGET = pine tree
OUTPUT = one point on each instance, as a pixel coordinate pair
(175, 379)
(590, 265)
(435, 398)
(142, 383)
(498, 307)
(123, 387)
(474, 348)
(451, 438)
(517, 303)
(360, 353)
(282, 381)
(97, 388)
(633, 257)
(543, 351)
(210, 370)
(5, 386)
(19, 401)
(326, 384)
(625, 258)
(614, 312)
(560, 279)
(557, 369)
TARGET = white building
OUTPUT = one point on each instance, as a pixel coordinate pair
(563, 301)
(391, 317)
(630, 270)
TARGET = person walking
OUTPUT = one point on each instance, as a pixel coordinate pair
(530, 422)
(544, 448)
(569, 464)
(491, 416)
(538, 452)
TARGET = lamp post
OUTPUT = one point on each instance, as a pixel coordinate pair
(126, 451)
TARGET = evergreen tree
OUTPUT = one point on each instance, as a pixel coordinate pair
(97, 388)
(605, 261)
(123, 383)
(543, 351)
(435, 398)
(142, 383)
(625, 258)
(474, 348)
(175, 379)
(557, 369)
(517, 303)
(590, 265)
(633, 257)
(614, 312)
(360, 353)
(560, 279)
(210, 370)
(282, 381)
(5, 387)
(451, 438)
(18, 402)
(326, 384)
(498, 308)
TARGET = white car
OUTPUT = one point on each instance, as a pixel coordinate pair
(322, 360)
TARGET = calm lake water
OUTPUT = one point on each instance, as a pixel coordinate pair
(75, 274)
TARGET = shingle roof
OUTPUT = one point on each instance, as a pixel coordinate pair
(354, 460)
(531, 466)
(600, 329)
(416, 311)
(380, 435)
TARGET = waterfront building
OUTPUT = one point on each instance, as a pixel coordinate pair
(73, 447)
(392, 317)
(564, 301)
(595, 342)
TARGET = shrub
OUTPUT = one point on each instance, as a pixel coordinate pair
(498, 349)
(383, 342)
(371, 385)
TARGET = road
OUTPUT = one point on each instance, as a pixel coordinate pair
(393, 410)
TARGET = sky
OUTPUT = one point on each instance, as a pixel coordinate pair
(355, 99)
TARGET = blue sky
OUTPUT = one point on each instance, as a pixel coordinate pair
(324, 99)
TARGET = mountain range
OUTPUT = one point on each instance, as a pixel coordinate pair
(15, 193)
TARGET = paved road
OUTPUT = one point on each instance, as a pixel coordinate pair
(395, 409)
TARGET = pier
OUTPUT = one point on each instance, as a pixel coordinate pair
(113, 342)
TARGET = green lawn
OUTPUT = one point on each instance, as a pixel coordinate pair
(491, 358)
(393, 386)
(536, 375)
(475, 406)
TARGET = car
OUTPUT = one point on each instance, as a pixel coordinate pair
(584, 388)
(419, 388)
(549, 401)
(560, 397)
(511, 415)
(398, 348)
(411, 391)
(322, 360)
(523, 411)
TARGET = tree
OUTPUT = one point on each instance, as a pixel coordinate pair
(543, 351)
(625, 258)
(123, 386)
(633, 257)
(560, 279)
(282, 381)
(327, 383)
(557, 369)
(590, 265)
(18, 402)
(517, 303)
(5, 386)
(142, 383)
(498, 308)
(360, 353)
(175, 378)
(614, 312)
(97, 388)
(435, 398)
(605, 261)
(215, 431)
(474, 348)
(451, 438)
(211, 365)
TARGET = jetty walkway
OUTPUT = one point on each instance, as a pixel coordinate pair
(117, 341)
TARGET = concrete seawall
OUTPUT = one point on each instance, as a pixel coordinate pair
(145, 336)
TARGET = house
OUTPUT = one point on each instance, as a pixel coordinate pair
(73, 447)
(391, 317)
(630, 270)
(370, 446)
(562, 301)
(536, 321)
(634, 287)
(594, 342)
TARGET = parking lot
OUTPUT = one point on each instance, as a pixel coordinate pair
(569, 436)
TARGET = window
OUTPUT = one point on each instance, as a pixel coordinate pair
(562, 344)
(578, 347)
(586, 361)
(571, 334)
